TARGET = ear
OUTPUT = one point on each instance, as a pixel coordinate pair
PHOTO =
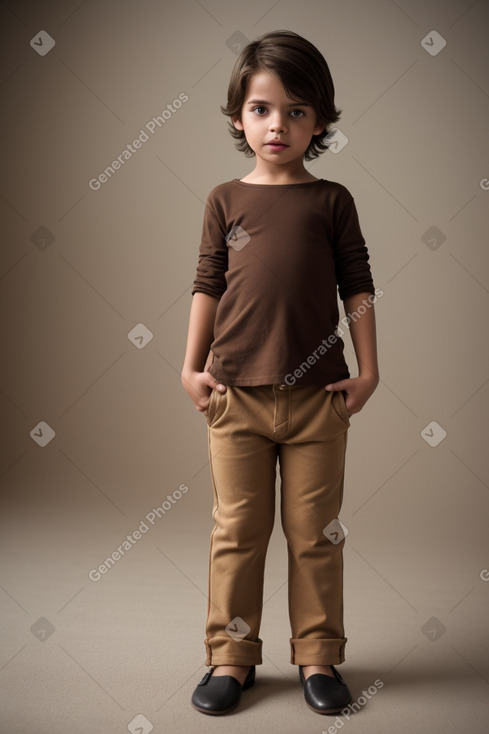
(237, 123)
(319, 129)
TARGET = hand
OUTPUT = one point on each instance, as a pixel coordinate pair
(358, 390)
(199, 386)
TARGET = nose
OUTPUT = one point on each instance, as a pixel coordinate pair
(277, 123)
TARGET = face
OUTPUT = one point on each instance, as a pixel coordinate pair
(277, 128)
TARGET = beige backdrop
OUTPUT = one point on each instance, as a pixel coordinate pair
(97, 433)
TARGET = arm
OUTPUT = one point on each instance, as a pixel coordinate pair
(196, 382)
(363, 335)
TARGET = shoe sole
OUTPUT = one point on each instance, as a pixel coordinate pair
(328, 711)
(214, 713)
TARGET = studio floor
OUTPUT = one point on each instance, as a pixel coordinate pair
(125, 652)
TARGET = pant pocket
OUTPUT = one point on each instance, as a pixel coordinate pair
(216, 406)
(339, 406)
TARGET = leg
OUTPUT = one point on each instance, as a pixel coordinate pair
(243, 468)
(312, 470)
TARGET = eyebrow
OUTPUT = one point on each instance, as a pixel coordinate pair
(292, 104)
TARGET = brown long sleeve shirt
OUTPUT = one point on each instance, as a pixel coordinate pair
(276, 257)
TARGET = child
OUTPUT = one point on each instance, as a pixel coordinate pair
(277, 246)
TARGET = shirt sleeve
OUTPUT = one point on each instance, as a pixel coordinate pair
(212, 265)
(353, 273)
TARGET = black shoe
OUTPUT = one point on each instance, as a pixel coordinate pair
(324, 694)
(220, 694)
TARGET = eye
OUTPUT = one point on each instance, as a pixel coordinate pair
(297, 113)
(260, 110)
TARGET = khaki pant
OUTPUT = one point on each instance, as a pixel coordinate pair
(305, 428)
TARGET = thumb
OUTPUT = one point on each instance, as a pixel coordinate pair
(215, 385)
(337, 386)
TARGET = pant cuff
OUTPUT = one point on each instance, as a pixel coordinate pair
(307, 651)
(226, 651)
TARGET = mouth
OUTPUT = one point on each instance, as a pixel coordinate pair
(277, 145)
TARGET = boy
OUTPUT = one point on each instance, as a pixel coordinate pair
(277, 246)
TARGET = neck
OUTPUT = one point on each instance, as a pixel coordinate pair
(279, 174)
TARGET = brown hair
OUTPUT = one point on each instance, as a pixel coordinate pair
(303, 72)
